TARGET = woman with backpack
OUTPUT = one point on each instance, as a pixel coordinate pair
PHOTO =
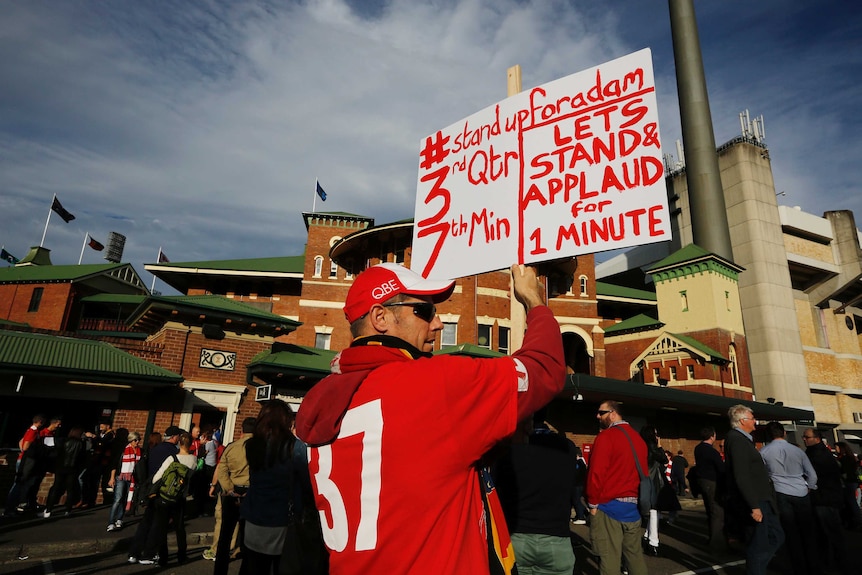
(166, 501)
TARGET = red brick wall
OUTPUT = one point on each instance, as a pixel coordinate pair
(15, 300)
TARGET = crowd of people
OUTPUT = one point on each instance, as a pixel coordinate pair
(334, 487)
(779, 496)
(80, 460)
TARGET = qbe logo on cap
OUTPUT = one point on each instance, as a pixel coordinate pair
(385, 289)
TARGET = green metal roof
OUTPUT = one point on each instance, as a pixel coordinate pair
(30, 274)
(290, 367)
(36, 354)
(687, 254)
(284, 264)
(470, 350)
(702, 347)
(640, 322)
(155, 310)
(611, 290)
(293, 359)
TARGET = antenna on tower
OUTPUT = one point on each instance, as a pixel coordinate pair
(752, 130)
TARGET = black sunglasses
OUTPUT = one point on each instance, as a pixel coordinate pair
(604, 411)
(421, 309)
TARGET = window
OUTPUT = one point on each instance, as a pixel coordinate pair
(321, 340)
(656, 374)
(484, 336)
(503, 340)
(690, 370)
(449, 335)
(727, 300)
(672, 373)
(318, 266)
(333, 270)
(683, 300)
(734, 370)
(582, 282)
(398, 255)
(35, 299)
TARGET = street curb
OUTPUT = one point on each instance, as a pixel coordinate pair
(11, 553)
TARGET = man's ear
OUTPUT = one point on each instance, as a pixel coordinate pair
(377, 319)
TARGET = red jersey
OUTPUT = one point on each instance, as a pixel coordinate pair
(398, 489)
(31, 435)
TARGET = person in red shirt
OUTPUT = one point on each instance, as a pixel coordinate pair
(612, 493)
(395, 433)
(26, 466)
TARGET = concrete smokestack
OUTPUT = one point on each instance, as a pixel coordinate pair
(706, 197)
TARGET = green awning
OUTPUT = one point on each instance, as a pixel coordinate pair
(68, 358)
(288, 363)
(596, 389)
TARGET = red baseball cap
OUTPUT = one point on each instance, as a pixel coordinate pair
(384, 281)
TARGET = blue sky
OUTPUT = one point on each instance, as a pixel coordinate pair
(201, 127)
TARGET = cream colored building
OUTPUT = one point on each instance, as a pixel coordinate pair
(800, 291)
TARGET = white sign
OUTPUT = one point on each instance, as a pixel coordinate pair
(570, 167)
(264, 392)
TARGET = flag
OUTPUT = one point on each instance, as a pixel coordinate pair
(61, 211)
(320, 192)
(98, 246)
(163, 259)
(6, 256)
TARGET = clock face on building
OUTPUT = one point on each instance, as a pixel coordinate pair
(216, 359)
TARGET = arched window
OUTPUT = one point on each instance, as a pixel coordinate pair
(318, 266)
(734, 369)
(582, 282)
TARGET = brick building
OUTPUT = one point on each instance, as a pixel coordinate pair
(244, 324)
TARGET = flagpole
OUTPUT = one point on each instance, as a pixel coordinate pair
(158, 260)
(80, 259)
(314, 201)
(48, 221)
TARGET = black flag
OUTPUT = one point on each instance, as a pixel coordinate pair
(61, 211)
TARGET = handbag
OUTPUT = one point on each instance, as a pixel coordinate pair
(647, 494)
(304, 552)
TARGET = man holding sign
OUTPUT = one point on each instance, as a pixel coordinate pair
(395, 433)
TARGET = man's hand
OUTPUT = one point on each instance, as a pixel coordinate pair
(526, 286)
(757, 515)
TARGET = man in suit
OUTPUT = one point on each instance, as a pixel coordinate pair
(750, 493)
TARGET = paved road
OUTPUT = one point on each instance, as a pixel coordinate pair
(80, 545)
